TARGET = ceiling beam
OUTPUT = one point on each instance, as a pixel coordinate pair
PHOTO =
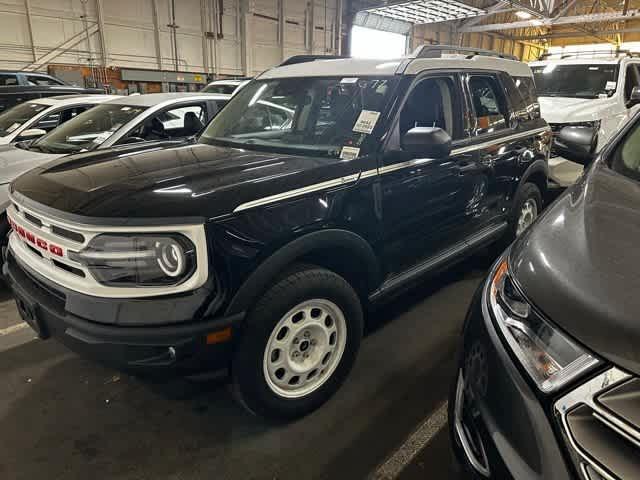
(577, 34)
(578, 19)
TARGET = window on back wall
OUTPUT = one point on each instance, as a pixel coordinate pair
(371, 43)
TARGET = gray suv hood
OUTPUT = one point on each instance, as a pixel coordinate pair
(580, 265)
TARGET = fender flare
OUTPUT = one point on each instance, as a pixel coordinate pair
(263, 275)
(538, 166)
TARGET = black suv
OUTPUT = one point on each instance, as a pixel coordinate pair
(320, 189)
(549, 379)
(18, 87)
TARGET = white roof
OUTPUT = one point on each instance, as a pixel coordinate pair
(153, 99)
(228, 82)
(66, 100)
(355, 67)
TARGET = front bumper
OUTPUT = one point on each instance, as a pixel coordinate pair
(179, 349)
(499, 427)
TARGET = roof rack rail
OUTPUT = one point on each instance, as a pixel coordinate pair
(309, 58)
(436, 51)
(591, 53)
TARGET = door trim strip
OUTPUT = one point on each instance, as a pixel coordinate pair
(353, 178)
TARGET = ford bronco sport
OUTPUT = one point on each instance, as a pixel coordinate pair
(322, 188)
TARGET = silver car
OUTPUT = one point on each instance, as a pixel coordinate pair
(136, 119)
(35, 118)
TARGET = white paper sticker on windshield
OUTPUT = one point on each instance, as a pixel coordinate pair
(349, 153)
(125, 109)
(366, 121)
(349, 80)
(102, 137)
(610, 85)
(13, 127)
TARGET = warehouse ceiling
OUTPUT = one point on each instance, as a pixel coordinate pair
(611, 21)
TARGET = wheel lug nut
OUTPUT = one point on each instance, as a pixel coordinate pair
(306, 355)
(314, 341)
(307, 334)
(296, 341)
(296, 354)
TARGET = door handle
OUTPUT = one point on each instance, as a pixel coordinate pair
(464, 168)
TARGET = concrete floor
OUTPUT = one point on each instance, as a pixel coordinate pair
(62, 417)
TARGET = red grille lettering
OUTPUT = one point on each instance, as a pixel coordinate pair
(34, 239)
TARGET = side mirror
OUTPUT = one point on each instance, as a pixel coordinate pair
(577, 144)
(31, 134)
(431, 142)
(634, 99)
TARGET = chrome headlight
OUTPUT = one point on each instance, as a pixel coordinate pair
(548, 355)
(122, 260)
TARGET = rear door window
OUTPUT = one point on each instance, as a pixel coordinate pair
(489, 104)
(38, 80)
(8, 80)
(54, 119)
(171, 123)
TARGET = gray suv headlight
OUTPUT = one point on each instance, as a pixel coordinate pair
(548, 355)
(122, 260)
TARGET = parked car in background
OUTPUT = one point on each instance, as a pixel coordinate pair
(35, 118)
(18, 87)
(554, 334)
(593, 90)
(321, 188)
(226, 87)
(139, 119)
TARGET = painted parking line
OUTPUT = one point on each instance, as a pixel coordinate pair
(415, 443)
(13, 329)
(16, 335)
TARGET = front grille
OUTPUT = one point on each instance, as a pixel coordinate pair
(601, 423)
(48, 245)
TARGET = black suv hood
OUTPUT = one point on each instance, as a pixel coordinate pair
(580, 265)
(189, 182)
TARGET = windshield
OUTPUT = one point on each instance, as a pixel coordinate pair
(578, 81)
(223, 88)
(17, 116)
(316, 116)
(88, 130)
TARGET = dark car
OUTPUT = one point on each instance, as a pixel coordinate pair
(549, 379)
(321, 189)
(18, 87)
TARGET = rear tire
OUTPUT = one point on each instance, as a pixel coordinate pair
(300, 342)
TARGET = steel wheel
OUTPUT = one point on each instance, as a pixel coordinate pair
(528, 214)
(305, 348)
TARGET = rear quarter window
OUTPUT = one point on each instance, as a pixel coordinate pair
(526, 88)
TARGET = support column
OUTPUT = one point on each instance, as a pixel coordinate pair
(103, 43)
(27, 7)
(156, 33)
(246, 22)
(281, 28)
(205, 44)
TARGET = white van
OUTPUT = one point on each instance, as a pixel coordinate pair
(592, 90)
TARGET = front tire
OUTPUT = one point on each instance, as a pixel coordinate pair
(300, 342)
(526, 208)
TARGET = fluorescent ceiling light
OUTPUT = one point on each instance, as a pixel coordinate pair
(536, 22)
(428, 11)
(523, 15)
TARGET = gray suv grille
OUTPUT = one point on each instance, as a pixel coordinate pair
(601, 424)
